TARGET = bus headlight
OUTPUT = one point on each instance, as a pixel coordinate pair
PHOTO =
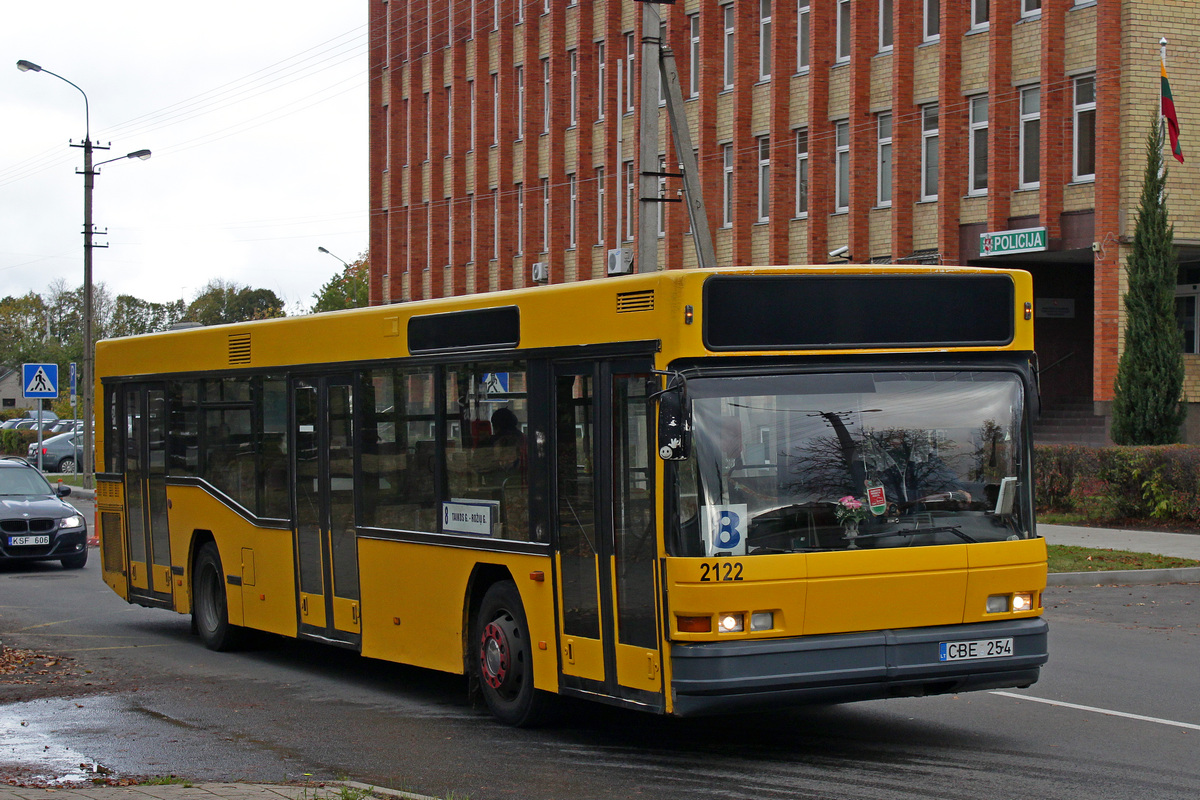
(762, 620)
(732, 623)
(1022, 601)
(997, 604)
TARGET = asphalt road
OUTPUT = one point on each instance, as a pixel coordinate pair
(143, 697)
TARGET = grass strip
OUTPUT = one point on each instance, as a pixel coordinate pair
(1071, 558)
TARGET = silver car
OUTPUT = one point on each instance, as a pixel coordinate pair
(59, 453)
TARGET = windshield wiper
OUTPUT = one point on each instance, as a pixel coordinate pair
(953, 529)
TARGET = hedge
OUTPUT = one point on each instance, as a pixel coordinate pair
(1159, 484)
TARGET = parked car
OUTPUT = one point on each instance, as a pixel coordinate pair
(59, 453)
(36, 524)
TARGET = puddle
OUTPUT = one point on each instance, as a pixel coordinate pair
(32, 752)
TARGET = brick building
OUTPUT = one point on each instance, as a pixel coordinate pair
(900, 130)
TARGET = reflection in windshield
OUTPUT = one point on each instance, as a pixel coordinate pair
(17, 482)
(816, 462)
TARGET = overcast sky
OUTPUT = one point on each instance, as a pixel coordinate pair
(256, 113)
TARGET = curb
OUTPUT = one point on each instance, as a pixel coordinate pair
(1127, 577)
(376, 790)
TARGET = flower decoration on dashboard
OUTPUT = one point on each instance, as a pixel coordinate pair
(850, 511)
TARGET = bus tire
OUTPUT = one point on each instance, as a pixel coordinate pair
(210, 609)
(502, 658)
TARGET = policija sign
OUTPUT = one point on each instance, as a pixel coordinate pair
(1025, 240)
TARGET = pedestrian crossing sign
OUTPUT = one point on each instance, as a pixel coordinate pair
(40, 380)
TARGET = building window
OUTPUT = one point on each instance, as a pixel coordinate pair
(764, 40)
(802, 172)
(764, 178)
(520, 244)
(884, 149)
(841, 132)
(495, 225)
(728, 70)
(474, 227)
(1031, 137)
(979, 14)
(520, 11)
(495, 109)
(601, 81)
(600, 195)
(1085, 128)
(630, 77)
(572, 216)
(802, 35)
(520, 81)
(931, 17)
(573, 62)
(843, 31)
(929, 152)
(977, 157)
(1187, 306)
(885, 25)
(545, 215)
(694, 55)
(496, 14)
(545, 95)
(1031, 8)
(726, 185)
(662, 85)
(662, 192)
(630, 200)
(471, 103)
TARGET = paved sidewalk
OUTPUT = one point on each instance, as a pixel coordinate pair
(1176, 545)
(347, 790)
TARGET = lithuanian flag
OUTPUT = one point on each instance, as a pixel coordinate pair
(1168, 112)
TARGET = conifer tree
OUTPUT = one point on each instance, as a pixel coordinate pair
(1147, 405)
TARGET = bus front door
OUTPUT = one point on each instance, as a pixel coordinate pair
(146, 492)
(326, 545)
(605, 527)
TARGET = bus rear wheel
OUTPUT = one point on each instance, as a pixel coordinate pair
(210, 610)
(502, 658)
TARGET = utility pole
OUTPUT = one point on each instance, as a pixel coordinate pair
(658, 63)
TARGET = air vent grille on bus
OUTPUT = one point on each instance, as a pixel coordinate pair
(239, 348)
(635, 301)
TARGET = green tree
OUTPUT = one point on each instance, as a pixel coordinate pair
(346, 289)
(225, 301)
(1147, 403)
(133, 316)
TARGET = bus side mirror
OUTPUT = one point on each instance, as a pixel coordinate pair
(674, 424)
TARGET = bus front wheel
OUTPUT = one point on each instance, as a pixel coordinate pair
(210, 610)
(502, 658)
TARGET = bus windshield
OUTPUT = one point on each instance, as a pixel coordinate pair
(803, 463)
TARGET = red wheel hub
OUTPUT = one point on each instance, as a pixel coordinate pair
(494, 654)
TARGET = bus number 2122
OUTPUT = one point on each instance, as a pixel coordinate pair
(721, 571)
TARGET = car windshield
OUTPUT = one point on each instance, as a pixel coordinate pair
(799, 463)
(22, 482)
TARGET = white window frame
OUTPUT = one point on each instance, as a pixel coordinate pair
(1183, 293)
(842, 32)
(545, 95)
(728, 65)
(573, 213)
(763, 144)
(495, 109)
(662, 192)
(520, 11)
(801, 173)
(496, 14)
(980, 15)
(978, 126)
(601, 194)
(727, 185)
(474, 110)
(630, 76)
(662, 85)
(1086, 107)
(764, 40)
(883, 159)
(520, 190)
(520, 81)
(1031, 122)
(495, 225)
(1031, 8)
(545, 215)
(631, 199)
(929, 139)
(803, 35)
(887, 36)
(693, 55)
(474, 227)
(931, 19)
(841, 159)
(573, 64)
(601, 81)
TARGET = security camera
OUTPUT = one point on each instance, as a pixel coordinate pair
(839, 252)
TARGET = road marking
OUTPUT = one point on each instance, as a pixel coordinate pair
(1106, 711)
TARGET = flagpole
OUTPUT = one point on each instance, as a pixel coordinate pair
(1162, 118)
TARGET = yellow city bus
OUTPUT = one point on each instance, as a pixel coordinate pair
(688, 492)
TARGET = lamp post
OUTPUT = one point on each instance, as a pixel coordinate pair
(89, 176)
(354, 302)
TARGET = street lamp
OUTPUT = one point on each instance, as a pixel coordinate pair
(89, 177)
(354, 302)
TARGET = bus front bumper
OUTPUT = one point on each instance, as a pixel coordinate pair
(720, 677)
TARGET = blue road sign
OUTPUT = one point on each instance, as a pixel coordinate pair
(73, 378)
(40, 380)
